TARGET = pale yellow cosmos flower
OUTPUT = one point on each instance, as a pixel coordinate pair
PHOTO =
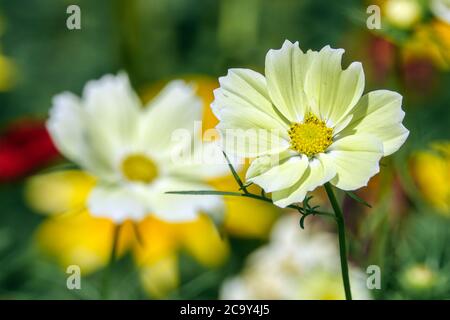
(306, 122)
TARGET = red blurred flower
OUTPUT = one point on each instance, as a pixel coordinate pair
(382, 54)
(24, 147)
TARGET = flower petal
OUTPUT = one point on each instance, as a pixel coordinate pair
(356, 159)
(112, 110)
(244, 88)
(161, 277)
(67, 127)
(206, 162)
(316, 174)
(91, 131)
(176, 107)
(331, 91)
(77, 239)
(379, 113)
(203, 241)
(59, 192)
(158, 239)
(246, 217)
(286, 69)
(179, 208)
(277, 174)
(118, 203)
(250, 134)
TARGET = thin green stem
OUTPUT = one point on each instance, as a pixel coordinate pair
(112, 259)
(242, 186)
(342, 243)
(245, 195)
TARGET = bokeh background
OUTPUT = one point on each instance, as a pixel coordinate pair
(406, 232)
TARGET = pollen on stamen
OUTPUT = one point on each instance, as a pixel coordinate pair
(310, 137)
(139, 168)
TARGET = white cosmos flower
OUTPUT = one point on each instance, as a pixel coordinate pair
(320, 127)
(295, 264)
(130, 149)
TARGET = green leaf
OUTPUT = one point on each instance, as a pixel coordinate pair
(302, 221)
(358, 199)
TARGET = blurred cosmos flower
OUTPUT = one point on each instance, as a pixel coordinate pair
(431, 41)
(421, 30)
(86, 240)
(132, 152)
(402, 13)
(24, 147)
(419, 278)
(407, 14)
(430, 170)
(321, 128)
(295, 264)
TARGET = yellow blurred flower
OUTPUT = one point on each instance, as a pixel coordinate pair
(7, 66)
(431, 41)
(63, 191)
(431, 173)
(419, 277)
(73, 236)
(7, 72)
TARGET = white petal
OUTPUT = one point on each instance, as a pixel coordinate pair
(206, 162)
(250, 134)
(67, 125)
(118, 203)
(285, 72)
(249, 123)
(175, 108)
(178, 208)
(274, 173)
(356, 159)
(379, 113)
(112, 109)
(317, 173)
(331, 91)
(244, 88)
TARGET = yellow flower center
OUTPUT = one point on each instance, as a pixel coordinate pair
(310, 137)
(138, 167)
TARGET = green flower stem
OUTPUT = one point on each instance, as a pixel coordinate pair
(109, 268)
(247, 195)
(342, 243)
